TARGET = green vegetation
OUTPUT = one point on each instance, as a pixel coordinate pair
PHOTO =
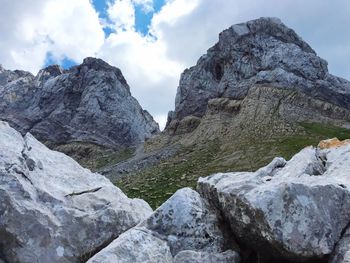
(93, 156)
(326, 130)
(314, 133)
(158, 183)
(108, 159)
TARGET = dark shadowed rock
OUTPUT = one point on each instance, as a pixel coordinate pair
(89, 103)
(341, 252)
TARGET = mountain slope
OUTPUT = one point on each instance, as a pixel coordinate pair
(89, 103)
(261, 91)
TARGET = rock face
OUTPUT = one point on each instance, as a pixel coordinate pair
(184, 227)
(52, 209)
(291, 211)
(262, 51)
(87, 103)
(341, 253)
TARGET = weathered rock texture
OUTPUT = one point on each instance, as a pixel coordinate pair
(262, 51)
(87, 103)
(287, 211)
(183, 227)
(52, 209)
(290, 211)
(341, 252)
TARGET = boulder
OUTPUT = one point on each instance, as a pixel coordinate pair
(341, 252)
(287, 211)
(136, 246)
(183, 223)
(52, 209)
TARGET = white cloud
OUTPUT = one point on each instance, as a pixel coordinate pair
(147, 5)
(37, 27)
(122, 15)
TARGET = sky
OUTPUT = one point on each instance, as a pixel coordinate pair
(153, 41)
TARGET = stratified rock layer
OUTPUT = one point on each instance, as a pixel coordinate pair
(87, 103)
(262, 51)
(52, 209)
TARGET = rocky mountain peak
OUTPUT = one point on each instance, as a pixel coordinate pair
(89, 103)
(49, 72)
(269, 26)
(99, 65)
(259, 52)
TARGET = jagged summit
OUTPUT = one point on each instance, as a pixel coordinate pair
(271, 26)
(49, 72)
(259, 52)
(90, 103)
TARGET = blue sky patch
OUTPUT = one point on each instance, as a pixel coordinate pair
(66, 63)
(142, 19)
(142, 23)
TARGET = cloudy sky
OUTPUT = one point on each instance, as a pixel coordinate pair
(153, 41)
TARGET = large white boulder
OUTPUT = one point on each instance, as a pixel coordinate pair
(183, 223)
(134, 246)
(52, 209)
(294, 210)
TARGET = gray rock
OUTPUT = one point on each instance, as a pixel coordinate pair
(135, 246)
(295, 210)
(262, 51)
(187, 256)
(52, 209)
(184, 222)
(186, 125)
(187, 223)
(341, 252)
(89, 103)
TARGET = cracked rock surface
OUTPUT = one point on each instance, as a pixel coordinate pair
(183, 227)
(52, 209)
(295, 210)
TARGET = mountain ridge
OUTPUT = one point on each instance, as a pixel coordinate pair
(90, 103)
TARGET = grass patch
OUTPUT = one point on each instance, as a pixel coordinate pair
(93, 156)
(158, 183)
(113, 158)
(326, 131)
